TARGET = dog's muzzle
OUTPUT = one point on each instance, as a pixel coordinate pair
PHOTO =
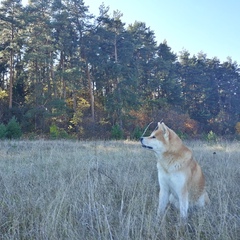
(143, 145)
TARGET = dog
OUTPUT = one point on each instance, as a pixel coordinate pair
(180, 177)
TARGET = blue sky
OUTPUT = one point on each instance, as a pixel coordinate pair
(211, 26)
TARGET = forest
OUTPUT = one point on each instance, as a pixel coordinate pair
(65, 72)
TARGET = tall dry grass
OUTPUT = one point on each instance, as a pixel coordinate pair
(108, 190)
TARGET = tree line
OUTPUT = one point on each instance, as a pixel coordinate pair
(62, 68)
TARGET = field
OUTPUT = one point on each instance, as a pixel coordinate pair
(109, 190)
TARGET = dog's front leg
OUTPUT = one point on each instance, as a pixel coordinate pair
(183, 205)
(163, 201)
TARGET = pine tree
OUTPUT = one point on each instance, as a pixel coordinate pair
(11, 22)
(144, 60)
(39, 57)
(168, 86)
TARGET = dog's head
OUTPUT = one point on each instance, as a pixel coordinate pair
(159, 140)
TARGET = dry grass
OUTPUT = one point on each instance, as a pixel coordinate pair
(108, 190)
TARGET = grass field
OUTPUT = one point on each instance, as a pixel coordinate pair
(108, 190)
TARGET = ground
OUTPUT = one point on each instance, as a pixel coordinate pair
(109, 190)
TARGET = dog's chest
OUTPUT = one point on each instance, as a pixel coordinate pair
(172, 180)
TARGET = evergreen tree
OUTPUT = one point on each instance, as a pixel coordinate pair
(59, 66)
(39, 58)
(144, 58)
(11, 27)
(117, 48)
(168, 87)
(229, 92)
(13, 129)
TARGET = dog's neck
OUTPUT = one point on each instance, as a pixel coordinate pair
(167, 157)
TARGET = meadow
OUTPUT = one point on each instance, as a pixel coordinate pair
(109, 190)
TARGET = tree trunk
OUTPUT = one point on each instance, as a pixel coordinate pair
(64, 94)
(90, 87)
(119, 110)
(11, 80)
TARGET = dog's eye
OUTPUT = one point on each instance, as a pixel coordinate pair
(153, 137)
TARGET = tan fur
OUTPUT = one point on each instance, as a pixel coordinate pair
(180, 177)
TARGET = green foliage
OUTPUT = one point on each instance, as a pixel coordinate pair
(3, 131)
(63, 133)
(57, 133)
(118, 69)
(116, 132)
(3, 94)
(211, 137)
(54, 132)
(137, 133)
(13, 129)
(182, 135)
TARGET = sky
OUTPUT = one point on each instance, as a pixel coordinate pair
(210, 26)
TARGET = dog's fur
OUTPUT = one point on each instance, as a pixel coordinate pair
(180, 177)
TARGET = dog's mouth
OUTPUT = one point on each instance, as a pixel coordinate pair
(145, 146)
(148, 147)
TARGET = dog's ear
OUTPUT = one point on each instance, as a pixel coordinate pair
(165, 129)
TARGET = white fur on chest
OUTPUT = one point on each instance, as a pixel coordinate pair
(170, 180)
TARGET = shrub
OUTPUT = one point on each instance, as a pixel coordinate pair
(178, 122)
(54, 132)
(137, 133)
(13, 129)
(63, 133)
(140, 117)
(211, 137)
(182, 135)
(117, 132)
(237, 127)
(3, 131)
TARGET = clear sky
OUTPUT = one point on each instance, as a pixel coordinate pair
(211, 26)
